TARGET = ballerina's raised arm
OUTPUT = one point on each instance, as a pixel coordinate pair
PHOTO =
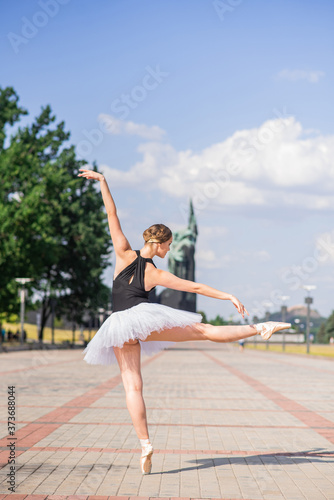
(120, 242)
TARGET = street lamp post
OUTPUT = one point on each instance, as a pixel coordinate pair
(284, 298)
(298, 326)
(101, 312)
(255, 320)
(53, 308)
(90, 327)
(22, 282)
(308, 302)
(267, 317)
(86, 320)
(73, 333)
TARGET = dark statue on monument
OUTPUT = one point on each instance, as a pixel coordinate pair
(181, 262)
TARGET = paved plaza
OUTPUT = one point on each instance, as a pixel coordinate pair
(224, 424)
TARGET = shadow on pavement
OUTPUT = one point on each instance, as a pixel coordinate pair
(285, 458)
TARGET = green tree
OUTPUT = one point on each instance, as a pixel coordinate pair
(218, 321)
(204, 318)
(326, 330)
(321, 334)
(10, 113)
(53, 227)
(330, 327)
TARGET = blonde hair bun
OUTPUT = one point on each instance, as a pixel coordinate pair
(158, 233)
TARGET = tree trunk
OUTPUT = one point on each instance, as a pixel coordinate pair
(45, 313)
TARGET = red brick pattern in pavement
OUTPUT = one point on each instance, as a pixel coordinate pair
(34, 432)
(320, 424)
(292, 360)
(235, 472)
(36, 367)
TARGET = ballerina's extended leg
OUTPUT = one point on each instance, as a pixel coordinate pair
(228, 333)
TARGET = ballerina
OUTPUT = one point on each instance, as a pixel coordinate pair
(136, 324)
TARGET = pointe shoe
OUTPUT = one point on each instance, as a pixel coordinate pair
(267, 329)
(146, 459)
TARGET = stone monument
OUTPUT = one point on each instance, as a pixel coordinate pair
(181, 262)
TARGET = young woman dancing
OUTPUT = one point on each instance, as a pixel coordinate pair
(136, 324)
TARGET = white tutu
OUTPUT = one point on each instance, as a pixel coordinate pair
(137, 322)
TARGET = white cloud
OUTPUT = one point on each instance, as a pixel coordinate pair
(325, 248)
(213, 231)
(207, 258)
(299, 74)
(273, 165)
(143, 174)
(262, 255)
(114, 126)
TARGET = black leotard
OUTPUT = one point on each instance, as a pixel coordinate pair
(125, 294)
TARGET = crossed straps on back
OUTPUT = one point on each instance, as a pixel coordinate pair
(128, 286)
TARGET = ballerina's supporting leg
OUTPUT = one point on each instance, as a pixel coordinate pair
(128, 358)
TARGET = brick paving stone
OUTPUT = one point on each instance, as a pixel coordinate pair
(97, 497)
(189, 482)
(170, 477)
(34, 473)
(56, 497)
(115, 474)
(14, 496)
(137, 498)
(118, 498)
(167, 498)
(209, 484)
(36, 497)
(77, 497)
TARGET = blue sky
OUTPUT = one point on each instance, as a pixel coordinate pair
(228, 102)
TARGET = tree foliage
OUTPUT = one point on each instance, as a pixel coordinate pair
(330, 326)
(53, 227)
(321, 334)
(218, 321)
(326, 330)
(204, 318)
